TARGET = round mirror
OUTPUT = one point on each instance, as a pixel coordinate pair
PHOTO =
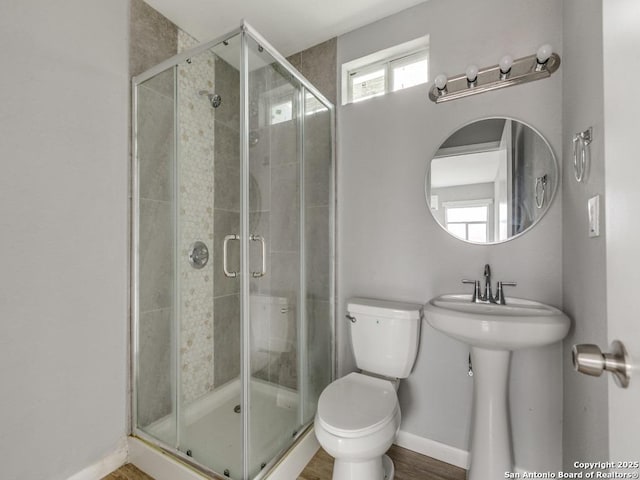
(491, 180)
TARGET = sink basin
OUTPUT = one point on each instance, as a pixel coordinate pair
(494, 331)
(519, 324)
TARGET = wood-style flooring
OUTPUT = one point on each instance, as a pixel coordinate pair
(128, 472)
(409, 466)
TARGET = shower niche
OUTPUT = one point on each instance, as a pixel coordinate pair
(233, 254)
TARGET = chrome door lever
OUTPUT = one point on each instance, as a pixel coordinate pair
(225, 250)
(590, 360)
(263, 270)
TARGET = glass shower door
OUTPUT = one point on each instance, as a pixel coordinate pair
(317, 248)
(154, 272)
(275, 302)
(208, 220)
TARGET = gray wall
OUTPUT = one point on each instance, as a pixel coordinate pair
(63, 249)
(584, 265)
(391, 247)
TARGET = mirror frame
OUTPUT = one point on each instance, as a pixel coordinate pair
(427, 178)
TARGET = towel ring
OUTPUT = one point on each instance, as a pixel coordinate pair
(581, 153)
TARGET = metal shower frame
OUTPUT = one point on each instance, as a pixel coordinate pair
(245, 30)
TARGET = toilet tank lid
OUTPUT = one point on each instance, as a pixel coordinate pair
(384, 308)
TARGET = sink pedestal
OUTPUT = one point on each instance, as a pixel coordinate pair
(493, 332)
(491, 450)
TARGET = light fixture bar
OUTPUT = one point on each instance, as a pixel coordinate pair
(523, 70)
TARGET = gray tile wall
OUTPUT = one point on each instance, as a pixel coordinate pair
(319, 65)
(153, 39)
(226, 218)
(195, 219)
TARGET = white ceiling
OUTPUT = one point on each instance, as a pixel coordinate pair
(289, 25)
(465, 169)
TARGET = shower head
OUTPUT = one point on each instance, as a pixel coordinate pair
(214, 99)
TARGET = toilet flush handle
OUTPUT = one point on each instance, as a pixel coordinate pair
(351, 317)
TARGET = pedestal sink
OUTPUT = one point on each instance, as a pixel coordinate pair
(494, 331)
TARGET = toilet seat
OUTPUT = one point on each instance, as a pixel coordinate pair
(357, 405)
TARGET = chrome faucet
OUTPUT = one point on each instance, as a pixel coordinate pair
(487, 296)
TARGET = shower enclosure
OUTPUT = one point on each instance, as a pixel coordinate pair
(233, 254)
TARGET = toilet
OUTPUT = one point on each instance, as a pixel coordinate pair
(358, 415)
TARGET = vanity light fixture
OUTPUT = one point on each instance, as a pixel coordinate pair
(506, 63)
(507, 73)
(542, 56)
(441, 84)
(472, 75)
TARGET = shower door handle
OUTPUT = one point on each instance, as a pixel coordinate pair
(263, 271)
(225, 250)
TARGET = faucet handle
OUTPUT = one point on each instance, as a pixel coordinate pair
(500, 292)
(476, 288)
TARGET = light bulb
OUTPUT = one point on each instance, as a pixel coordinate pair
(505, 63)
(472, 73)
(441, 81)
(544, 52)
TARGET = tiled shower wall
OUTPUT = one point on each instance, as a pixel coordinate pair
(195, 219)
(153, 39)
(226, 219)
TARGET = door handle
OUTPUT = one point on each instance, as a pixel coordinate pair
(590, 360)
(225, 250)
(263, 270)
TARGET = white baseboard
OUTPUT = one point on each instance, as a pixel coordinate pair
(106, 465)
(440, 451)
(431, 448)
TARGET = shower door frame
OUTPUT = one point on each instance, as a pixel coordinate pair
(304, 85)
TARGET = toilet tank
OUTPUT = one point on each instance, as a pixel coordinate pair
(385, 335)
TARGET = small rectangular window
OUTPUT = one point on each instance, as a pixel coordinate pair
(389, 70)
(368, 84)
(410, 71)
(468, 220)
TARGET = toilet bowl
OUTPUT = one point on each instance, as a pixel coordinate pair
(358, 415)
(357, 420)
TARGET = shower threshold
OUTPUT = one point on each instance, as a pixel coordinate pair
(212, 426)
(155, 461)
